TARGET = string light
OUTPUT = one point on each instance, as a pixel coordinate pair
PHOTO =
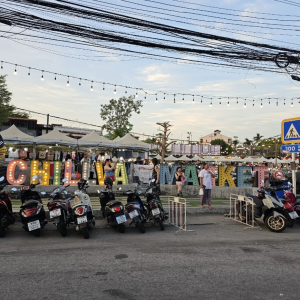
(261, 104)
(269, 101)
(55, 77)
(174, 99)
(1, 64)
(126, 90)
(292, 104)
(228, 104)
(115, 90)
(103, 86)
(237, 100)
(210, 102)
(145, 95)
(193, 98)
(245, 104)
(92, 86)
(220, 101)
(201, 99)
(284, 102)
(183, 98)
(253, 103)
(136, 94)
(68, 82)
(164, 96)
(29, 71)
(42, 77)
(15, 72)
(156, 100)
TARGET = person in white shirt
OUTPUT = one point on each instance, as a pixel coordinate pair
(205, 183)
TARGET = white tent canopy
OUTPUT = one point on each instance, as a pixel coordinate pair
(158, 156)
(209, 158)
(236, 159)
(222, 159)
(197, 157)
(248, 159)
(117, 138)
(55, 137)
(93, 139)
(171, 158)
(129, 142)
(262, 159)
(184, 158)
(15, 136)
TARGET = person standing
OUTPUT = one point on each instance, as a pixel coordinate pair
(205, 183)
(109, 169)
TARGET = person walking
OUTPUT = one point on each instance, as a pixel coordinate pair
(205, 183)
(179, 175)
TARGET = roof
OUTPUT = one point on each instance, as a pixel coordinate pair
(16, 136)
(24, 119)
(55, 137)
(129, 142)
(93, 139)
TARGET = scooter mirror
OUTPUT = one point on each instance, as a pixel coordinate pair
(1, 178)
(64, 180)
(34, 177)
(43, 193)
(14, 189)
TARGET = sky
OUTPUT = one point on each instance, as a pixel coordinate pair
(79, 103)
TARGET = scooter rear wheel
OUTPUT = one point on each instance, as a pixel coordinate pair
(122, 228)
(62, 228)
(141, 227)
(161, 224)
(85, 232)
(275, 224)
(37, 232)
(2, 231)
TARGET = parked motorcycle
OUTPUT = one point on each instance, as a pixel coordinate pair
(82, 209)
(112, 210)
(269, 210)
(288, 209)
(60, 209)
(6, 214)
(154, 206)
(32, 213)
(136, 210)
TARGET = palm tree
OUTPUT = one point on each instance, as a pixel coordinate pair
(235, 143)
(257, 140)
(249, 143)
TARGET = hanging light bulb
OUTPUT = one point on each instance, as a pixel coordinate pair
(145, 95)
(92, 88)
(115, 90)
(42, 77)
(68, 82)
(156, 99)
(245, 104)
(15, 72)
(237, 100)
(284, 102)
(29, 71)
(220, 101)
(136, 94)
(292, 104)
(261, 104)
(201, 99)
(126, 90)
(253, 102)
(210, 102)
(228, 104)
(193, 99)
(103, 86)
(269, 101)
(183, 98)
(1, 64)
(79, 82)
(277, 103)
(164, 96)
(55, 77)
(174, 99)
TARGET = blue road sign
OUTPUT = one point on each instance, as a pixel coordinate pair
(290, 131)
(295, 148)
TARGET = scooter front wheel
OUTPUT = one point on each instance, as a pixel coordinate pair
(122, 228)
(141, 227)
(275, 224)
(161, 224)
(62, 228)
(37, 232)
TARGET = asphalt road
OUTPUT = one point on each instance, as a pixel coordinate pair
(219, 260)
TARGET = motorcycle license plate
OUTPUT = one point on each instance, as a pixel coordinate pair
(133, 214)
(293, 215)
(155, 211)
(55, 213)
(121, 219)
(81, 220)
(34, 225)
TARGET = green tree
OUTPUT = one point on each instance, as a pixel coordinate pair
(117, 113)
(257, 138)
(235, 143)
(226, 149)
(6, 109)
(249, 143)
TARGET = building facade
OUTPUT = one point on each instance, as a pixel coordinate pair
(207, 139)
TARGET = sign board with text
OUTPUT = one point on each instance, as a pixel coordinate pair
(290, 131)
(294, 148)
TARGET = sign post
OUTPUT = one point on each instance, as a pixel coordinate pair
(290, 134)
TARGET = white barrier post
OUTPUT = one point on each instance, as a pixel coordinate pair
(177, 213)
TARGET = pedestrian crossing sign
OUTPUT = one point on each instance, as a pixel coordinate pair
(290, 131)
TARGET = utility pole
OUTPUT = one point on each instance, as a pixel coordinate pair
(163, 142)
(47, 123)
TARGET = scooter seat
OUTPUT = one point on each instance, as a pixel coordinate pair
(113, 203)
(258, 202)
(297, 201)
(30, 203)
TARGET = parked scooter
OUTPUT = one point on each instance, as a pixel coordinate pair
(269, 210)
(6, 214)
(112, 210)
(154, 206)
(82, 209)
(32, 213)
(288, 209)
(136, 210)
(60, 209)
